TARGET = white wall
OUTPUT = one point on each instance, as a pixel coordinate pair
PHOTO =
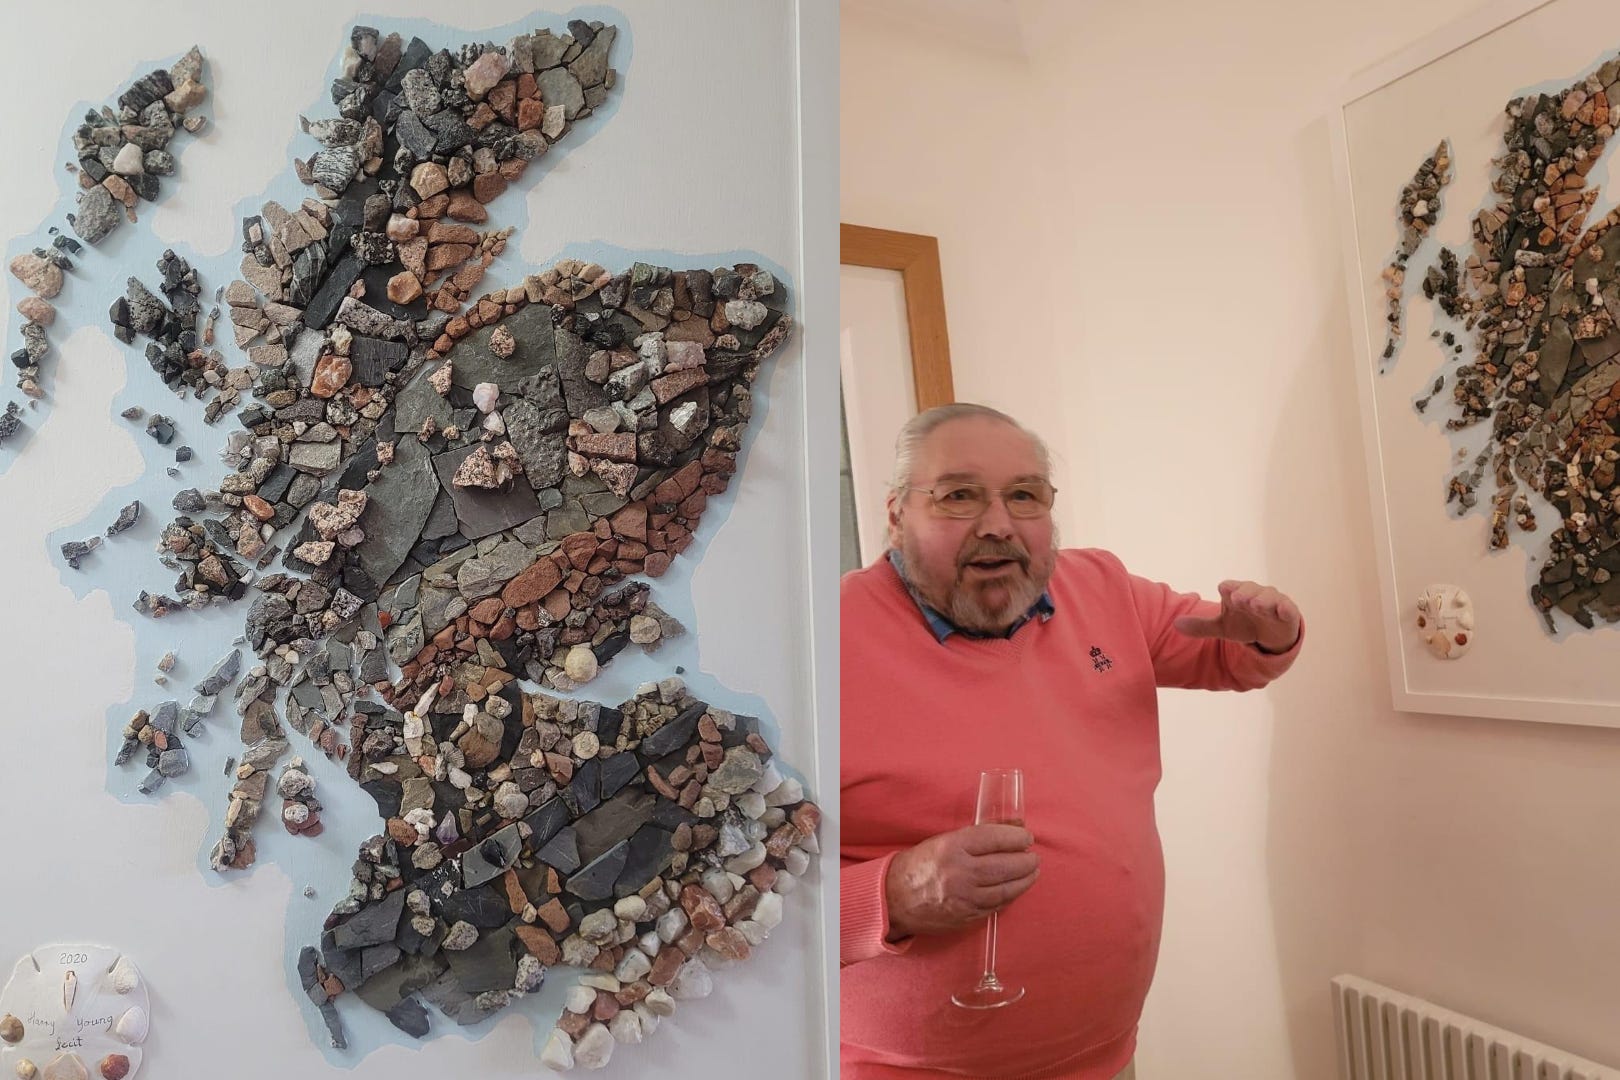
(1206, 399)
(944, 137)
(80, 863)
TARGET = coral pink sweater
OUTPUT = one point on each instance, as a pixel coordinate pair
(1072, 702)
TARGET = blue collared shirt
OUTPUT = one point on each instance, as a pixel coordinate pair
(942, 628)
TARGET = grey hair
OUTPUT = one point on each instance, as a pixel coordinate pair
(920, 426)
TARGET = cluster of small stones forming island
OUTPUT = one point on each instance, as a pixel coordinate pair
(465, 494)
(1419, 210)
(1537, 297)
(122, 154)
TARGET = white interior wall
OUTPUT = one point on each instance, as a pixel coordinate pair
(1204, 394)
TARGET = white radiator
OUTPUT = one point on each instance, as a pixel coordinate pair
(1387, 1035)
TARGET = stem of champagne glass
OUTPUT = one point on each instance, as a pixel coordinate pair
(990, 951)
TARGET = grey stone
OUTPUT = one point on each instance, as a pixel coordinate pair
(596, 880)
(334, 1026)
(419, 402)
(558, 86)
(175, 762)
(410, 1017)
(317, 459)
(373, 358)
(97, 215)
(483, 513)
(189, 501)
(303, 489)
(590, 67)
(474, 363)
(547, 50)
(617, 771)
(565, 520)
(490, 964)
(578, 391)
(486, 575)
(438, 607)
(221, 674)
(552, 815)
(489, 858)
(405, 639)
(673, 735)
(401, 499)
(740, 770)
(561, 852)
(362, 318)
(650, 853)
(441, 520)
(544, 455)
(372, 924)
(415, 136)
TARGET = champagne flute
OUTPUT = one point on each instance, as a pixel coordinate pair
(1001, 802)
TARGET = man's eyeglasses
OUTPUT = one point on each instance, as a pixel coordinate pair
(958, 499)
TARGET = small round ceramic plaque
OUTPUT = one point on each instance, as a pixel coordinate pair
(73, 1012)
(1445, 621)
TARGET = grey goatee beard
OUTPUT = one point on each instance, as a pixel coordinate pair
(965, 606)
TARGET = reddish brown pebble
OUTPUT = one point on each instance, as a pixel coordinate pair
(665, 966)
(258, 507)
(806, 817)
(554, 915)
(115, 1066)
(702, 908)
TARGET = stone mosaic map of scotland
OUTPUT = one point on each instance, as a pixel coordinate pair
(1528, 319)
(419, 497)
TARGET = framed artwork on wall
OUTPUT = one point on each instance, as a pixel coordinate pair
(1473, 172)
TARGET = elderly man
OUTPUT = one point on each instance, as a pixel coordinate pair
(976, 643)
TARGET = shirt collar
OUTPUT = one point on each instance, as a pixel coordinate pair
(942, 627)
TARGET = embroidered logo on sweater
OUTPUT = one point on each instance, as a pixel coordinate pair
(1099, 659)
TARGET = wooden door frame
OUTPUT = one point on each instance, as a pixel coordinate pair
(917, 258)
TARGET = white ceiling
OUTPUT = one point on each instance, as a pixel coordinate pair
(990, 25)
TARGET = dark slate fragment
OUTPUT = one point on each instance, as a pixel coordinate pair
(562, 852)
(415, 136)
(617, 771)
(673, 735)
(308, 958)
(401, 501)
(483, 907)
(372, 924)
(585, 790)
(373, 358)
(650, 853)
(324, 304)
(334, 1026)
(486, 859)
(410, 1017)
(483, 513)
(596, 881)
(547, 820)
(608, 722)
(378, 958)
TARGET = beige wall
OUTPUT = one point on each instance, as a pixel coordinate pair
(945, 139)
(1200, 389)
